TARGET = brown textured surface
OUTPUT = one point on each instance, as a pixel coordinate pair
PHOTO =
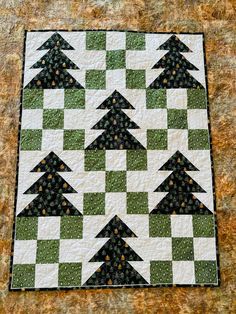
(215, 18)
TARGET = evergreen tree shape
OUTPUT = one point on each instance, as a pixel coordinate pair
(176, 66)
(180, 187)
(115, 123)
(50, 188)
(115, 254)
(54, 66)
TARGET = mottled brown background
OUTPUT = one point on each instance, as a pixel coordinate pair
(216, 19)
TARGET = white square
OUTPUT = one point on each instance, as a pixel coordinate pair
(178, 140)
(46, 275)
(183, 272)
(197, 119)
(48, 228)
(32, 119)
(115, 160)
(181, 226)
(52, 140)
(115, 203)
(204, 249)
(53, 99)
(116, 79)
(177, 98)
(115, 40)
(25, 251)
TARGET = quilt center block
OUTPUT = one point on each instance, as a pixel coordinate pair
(115, 181)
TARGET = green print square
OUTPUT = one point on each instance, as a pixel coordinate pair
(196, 99)
(161, 272)
(71, 227)
(74, 99)
(203, 226)
(136, 160)
(177, 119)
(32, 99)
(135, 79)
(137, 203)
(96, 40)
(157, 139)
(198, 139)
(47, 251)
(182, 249)
(95, 160)
(96, 79)
(23, 276)
(205, 272)
(26, 228)
(94, 204)
(159, 226)
(115, 181)
(69, 274)
(115, 59)
(53, 119)
(155, 98)
(135, 41)
(31, 139)
(73, 139)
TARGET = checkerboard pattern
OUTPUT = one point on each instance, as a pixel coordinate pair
(55, 252)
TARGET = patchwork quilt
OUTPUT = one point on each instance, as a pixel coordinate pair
(114, 185)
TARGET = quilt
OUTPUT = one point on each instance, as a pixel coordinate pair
(114, 176)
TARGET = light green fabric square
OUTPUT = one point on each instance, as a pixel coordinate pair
(69, 274)
(135, 79)
(73, 139)
(47, 251)
(196, 99)
(136, 160)
(96, 79)
(177, 119)
(157, 139)
(156, 98)
(135, 41)
(198, 139)
(161, 272)
(137, 203)
(205, 272)
(115, 59)
(182, 249)
(95, 40)
(203, 226)
(53, 119)
(32, 99)
(94, 204)
(115, 181)
(74, 99)
(95, 160)
(23, 276)
(71, 227)
(31, 139)
(159, 226)
(26, 228)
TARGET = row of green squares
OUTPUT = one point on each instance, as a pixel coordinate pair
(71, 227)
(72, 139)
(96, 40)
(203, 226)
(95, 160)
(162, 272)
(96, 79)
(157, 98)
(69, 274)
(73, 99)
(95, 203)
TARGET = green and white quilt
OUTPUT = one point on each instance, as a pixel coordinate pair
(115, 184)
